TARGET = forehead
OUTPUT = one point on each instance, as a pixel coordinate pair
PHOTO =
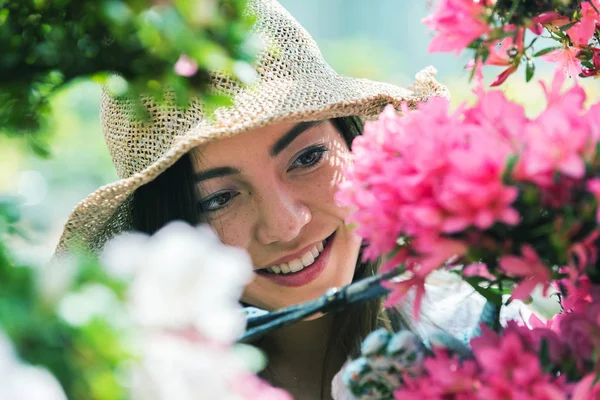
(259, 142)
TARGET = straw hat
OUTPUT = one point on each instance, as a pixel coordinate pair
(294, 84)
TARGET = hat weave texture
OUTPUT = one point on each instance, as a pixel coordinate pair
(294, 84)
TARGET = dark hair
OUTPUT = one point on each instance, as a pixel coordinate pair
(173, 196)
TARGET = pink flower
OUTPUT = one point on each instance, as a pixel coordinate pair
(546, 332)
(559, 137)
(595, 71)
(578, 331)
(581, 255)
(447, 378)
(399, 290)
(251, 387)
(495, 113)
(458, 23)
(529, 268)
(185, 66)
(506, 52)
(451, 375)
(566, 59)
(582, 31)
(509, 360)
(587, 389)
(593, 186)
(503, 76)
(511, 369)
(547, 18)
(477, 269)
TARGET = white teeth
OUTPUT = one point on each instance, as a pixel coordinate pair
(307, 259)
(320, 246)
(296, 265)
(299, 263)
(285, 268)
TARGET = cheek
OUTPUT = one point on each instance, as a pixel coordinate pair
(234, 229)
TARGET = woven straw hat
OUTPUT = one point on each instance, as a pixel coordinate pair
(294, 84)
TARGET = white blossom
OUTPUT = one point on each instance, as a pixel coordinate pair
(183, 277)
(172, 367)
(20, 381)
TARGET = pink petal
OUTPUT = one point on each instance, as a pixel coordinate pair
(524, 289)
(515, 265)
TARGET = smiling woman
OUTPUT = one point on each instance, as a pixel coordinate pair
(263, 173)
(270, 191)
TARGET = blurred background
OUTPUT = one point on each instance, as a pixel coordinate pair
(381, 40)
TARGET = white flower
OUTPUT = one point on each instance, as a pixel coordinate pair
(172, 367)
(19, 381)
(55, 278)
(183, 277)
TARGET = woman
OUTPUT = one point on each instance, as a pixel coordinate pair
(265, 185)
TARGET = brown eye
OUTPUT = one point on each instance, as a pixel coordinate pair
(310, 157)
(217, 201)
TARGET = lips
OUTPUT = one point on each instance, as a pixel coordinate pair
(297, 264)
(304, 275)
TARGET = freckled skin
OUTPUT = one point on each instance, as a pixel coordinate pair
(280, 208)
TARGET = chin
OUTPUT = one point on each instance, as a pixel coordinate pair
(334, 267)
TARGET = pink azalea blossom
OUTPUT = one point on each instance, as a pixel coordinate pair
(593, 186)
(547, 18)
(251, 387)
(509, 360)
(457, 23)
(506, 52)
(595, 71)
(447, 378)
(558, 138)
(399, 290)
(580, 333)
(477, 269)
(566, 59)
(511, 369)
(530, 269)
(503, 76)
(587, 389)
(586, 253)
(495, 113)
(584, 29)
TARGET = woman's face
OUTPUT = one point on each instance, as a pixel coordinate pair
(271, 192)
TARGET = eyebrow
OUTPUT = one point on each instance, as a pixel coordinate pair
(215, 173)
(277, 148)
(292, 134)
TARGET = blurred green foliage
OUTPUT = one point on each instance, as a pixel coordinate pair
(85, 356)
(131, 46)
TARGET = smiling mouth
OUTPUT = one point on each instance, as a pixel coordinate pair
(298, 264)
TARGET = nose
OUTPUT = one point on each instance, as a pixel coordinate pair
(282, 215)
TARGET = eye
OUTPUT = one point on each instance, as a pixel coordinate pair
(309, 158)
(216, 201)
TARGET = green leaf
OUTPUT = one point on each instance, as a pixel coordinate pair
(490, 294)
(510, 166)
(546, 51)
(567, 26)
(529, 70)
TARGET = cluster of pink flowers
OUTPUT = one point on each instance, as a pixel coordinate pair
(557, 359)
(498, 36)
(441, 181)
(519, 364)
